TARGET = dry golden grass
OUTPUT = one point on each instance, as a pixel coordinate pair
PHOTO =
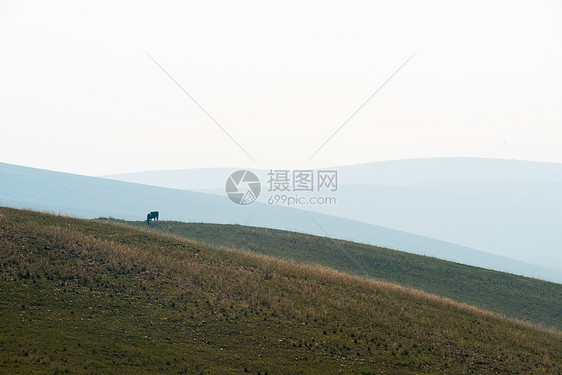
(322, 272)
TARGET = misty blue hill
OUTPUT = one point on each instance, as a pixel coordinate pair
(92, 197)
(510, 208)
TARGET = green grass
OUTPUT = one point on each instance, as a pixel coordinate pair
(82, 296)
(515, 296)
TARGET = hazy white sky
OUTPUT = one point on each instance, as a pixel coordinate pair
(79, 94)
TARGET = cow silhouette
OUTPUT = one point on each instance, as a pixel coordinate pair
(152, 216)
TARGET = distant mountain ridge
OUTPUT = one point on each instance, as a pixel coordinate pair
(92, 197)
(511, 208)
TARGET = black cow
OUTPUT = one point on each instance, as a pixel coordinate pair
(152, 216)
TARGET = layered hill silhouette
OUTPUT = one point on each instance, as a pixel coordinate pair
(510, 208)
(91, 197)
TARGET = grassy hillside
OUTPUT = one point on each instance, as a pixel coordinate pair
(519, 297)
(81, 296)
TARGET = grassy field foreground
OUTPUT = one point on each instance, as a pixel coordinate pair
(81, 296)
